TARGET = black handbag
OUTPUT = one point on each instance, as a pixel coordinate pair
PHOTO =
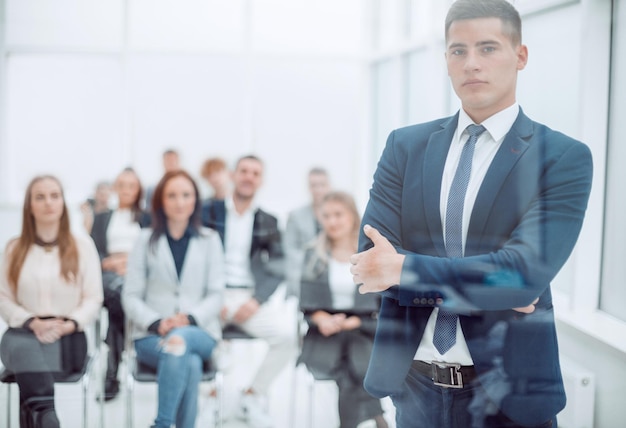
(73, 352)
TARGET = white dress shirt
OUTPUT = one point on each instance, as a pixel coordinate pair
(487, 146)
(237, 244)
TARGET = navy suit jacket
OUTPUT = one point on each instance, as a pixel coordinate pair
(266, 252)
(524, 224)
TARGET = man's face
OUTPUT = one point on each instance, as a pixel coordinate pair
(319, 186)
(247, 178)
(483, 65)
(171, 162)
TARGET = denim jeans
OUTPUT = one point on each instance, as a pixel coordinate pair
(179, 371)
(421, 403)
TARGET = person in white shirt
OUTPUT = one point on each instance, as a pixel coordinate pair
(470, 218)
(114, 232)
(254, 264)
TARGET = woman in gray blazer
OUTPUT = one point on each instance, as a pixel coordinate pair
(173, 295)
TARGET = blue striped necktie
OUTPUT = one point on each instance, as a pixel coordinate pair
(445, 328)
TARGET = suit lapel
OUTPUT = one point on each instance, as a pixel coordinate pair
(512, 149)
(192, 249)
(167, 259)
(434, 161)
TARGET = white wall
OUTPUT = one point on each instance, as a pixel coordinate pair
(92, 91)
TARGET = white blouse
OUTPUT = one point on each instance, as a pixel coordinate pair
(341, 284)
(42, 291)
(122, 232)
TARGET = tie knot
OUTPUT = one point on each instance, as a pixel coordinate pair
(475, 130)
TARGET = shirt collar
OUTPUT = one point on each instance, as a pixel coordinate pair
(230, 206)
(497, 125)
(189, 232)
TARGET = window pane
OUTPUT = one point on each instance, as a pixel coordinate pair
(323, 26)
(428, 80)
(191, 103)
(64, 23)
(183, 25)
(560, 81)
(64, 117)
(392, 23)
(307, 113)
(613, 293)
(389, 100)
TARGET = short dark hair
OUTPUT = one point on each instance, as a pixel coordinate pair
(318, 171)
(248, 157)
(501, 9)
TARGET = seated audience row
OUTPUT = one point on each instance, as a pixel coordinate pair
(199, 267)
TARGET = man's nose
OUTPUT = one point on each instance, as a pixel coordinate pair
(472, 61)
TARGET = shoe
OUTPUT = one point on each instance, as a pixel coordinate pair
(111, 389)
(253, 410)
(209, 413)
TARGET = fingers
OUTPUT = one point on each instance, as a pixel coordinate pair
(373, 234)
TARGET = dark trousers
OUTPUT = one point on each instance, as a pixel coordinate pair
(112, 288)
(424, 404)
(343, 358)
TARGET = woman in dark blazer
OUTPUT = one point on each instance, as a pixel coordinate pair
(341, 321)
(114, 233)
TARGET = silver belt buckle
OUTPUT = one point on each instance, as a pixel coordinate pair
(456, 378)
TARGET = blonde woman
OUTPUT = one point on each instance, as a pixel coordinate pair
(341, 321)
(50, 290)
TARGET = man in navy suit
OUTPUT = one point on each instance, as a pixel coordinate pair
(520, 216)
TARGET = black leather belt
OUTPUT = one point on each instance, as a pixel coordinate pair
(446, 375)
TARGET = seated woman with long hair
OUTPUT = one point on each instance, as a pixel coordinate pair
(173, 295)
(114, 233)
(50, 290)
(341, 321)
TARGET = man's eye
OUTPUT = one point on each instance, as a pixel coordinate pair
(458, 52)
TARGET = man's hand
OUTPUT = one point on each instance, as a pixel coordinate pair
(528, 309)
(116, 262)
(328, 324)
(378, 268)
(246, 310)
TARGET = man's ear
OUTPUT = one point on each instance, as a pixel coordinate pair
(522, 57)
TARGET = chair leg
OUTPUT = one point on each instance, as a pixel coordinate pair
(129, 399)
(9, 405)
(85, 386)
(219, 392)
(311, 385)
(294, 397)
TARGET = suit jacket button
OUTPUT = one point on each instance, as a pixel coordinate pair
(416, 301)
